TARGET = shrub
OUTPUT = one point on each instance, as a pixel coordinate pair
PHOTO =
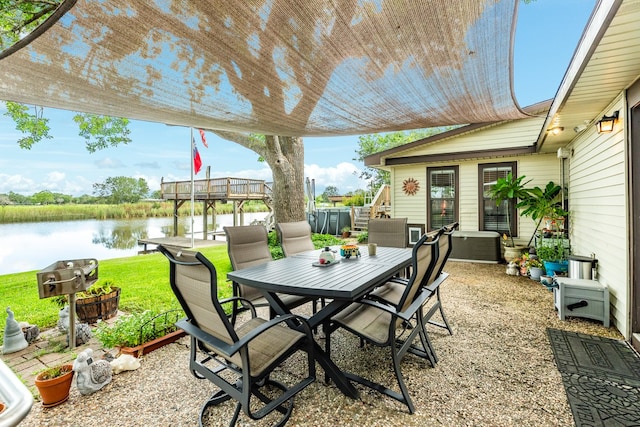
(134, 329)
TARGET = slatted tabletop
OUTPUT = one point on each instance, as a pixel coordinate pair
(345, 280)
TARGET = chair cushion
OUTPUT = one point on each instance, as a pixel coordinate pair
(268, 346)
(369, 322)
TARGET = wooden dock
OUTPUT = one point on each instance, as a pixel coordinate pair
(209, 191)
(179, 242)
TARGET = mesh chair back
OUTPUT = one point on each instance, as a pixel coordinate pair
(391, 232)
(248, 246)
(424, 258)
(194, 283)
(444, 250)
(295, 237)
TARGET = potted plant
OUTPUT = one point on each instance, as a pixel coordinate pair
(346, 232)
(543, 204)
(509, 189)
(141, 333)
(535, 267)
(98, 302)
(554, 256)
(54, 384)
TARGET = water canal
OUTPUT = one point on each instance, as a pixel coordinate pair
(34, 246)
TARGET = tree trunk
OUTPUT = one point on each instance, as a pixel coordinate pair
(285, 157)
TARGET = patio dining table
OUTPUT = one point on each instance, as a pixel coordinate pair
(341, 282)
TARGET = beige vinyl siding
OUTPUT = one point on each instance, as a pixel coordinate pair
(519, 133)
(540, 169)
(412, 207)
(598, 210)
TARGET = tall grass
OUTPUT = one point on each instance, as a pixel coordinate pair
(69, 212)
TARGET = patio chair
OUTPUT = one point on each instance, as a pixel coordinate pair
(392, 290)
(239, 361)
(294, 237)
(391, 232)
(248, 246)
(393, 325)
(433, 284)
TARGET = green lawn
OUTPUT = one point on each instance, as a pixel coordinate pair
(143, 279)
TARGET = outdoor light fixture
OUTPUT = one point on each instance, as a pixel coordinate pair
(605, 125)
(556, 130)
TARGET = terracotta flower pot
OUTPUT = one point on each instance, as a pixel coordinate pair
(55, 391)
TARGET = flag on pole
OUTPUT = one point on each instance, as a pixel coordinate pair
(204, 140)
(197, 161)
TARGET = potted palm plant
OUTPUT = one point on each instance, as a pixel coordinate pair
(542, 204)
(54, 384)
(509, 189)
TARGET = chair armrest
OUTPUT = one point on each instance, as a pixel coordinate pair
(242, 299)
(383, 305)
(436, 283)
(422, 296)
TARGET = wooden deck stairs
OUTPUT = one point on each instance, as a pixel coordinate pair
(380, 207)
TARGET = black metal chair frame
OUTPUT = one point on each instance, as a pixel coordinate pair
(216, 351)
(406, 317)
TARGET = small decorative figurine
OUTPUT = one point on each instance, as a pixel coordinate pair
(13, 337)
(30, 332)
(91, 375)
(512, 269)
(124, 362)
(83, 330)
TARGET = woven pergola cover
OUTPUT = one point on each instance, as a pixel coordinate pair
(282, 67)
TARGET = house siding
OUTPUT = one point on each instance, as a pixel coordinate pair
(519, 133)
(598, 210)
(540, 169)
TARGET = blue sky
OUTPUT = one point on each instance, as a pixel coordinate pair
(546, 36)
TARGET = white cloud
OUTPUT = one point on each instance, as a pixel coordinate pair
(108, 163)
(343, 176)
(16, 183)
(54, 177)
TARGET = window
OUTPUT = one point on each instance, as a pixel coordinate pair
(442, 204)
(492, 217)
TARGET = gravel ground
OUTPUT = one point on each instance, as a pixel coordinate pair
(497, 369)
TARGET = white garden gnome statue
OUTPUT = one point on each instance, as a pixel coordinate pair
(13, 337)
(91, 375)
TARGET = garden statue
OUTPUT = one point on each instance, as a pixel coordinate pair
(512, 269)
(31, 332)
(83, 330)
(91, 375)
(125, 362)
(13, 337)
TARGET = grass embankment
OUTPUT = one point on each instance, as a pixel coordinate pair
(143, 279)
(33, 213)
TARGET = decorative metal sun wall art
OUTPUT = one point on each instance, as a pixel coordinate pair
(410, 186)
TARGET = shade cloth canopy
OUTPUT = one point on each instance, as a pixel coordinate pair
(280, 67)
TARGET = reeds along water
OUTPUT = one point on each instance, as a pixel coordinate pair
(69, 212)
